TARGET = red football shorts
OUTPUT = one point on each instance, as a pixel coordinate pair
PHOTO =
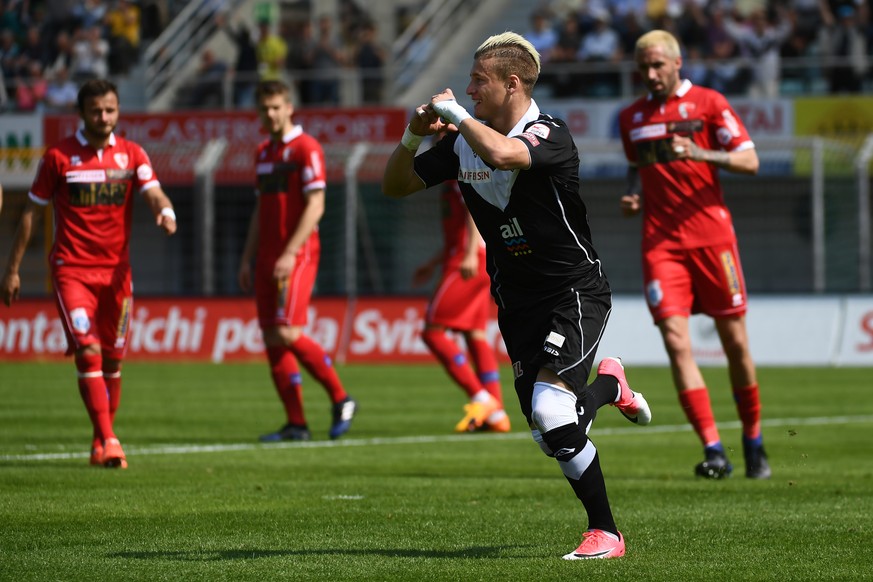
(285, 302)
(459, 304)
(95, 307)
(702, 280)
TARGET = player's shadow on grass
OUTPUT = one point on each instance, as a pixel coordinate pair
(475, 552)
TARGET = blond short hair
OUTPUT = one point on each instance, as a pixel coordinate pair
(513, 55)
(659, 38)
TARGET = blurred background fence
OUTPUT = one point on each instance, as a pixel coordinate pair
(803, 223)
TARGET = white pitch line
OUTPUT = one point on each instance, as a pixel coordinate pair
(418, 440)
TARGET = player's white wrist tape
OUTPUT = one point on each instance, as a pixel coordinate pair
(451, 112)
(168, 212)
(410, 140)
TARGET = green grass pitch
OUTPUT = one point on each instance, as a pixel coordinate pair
(403, 498)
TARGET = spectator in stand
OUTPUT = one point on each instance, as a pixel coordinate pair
(760, 42)
(629, 29)
(542, 34)
(300, 44)
(90, 55)
(123, 30)
(844, 47)
(61, 54)
(4, 96)
(30, 90)
(325, 59)
(271, 51)
(725, 74)
(88, 13)
(10, 17)
(61, 93)
(33, 49)
(245, 69)
(417, 54)
(557, 71)
(208, 88)
(370, 57)
(797, 76)
(601, 45)
(9, 51)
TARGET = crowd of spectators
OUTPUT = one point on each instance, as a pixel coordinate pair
(312, 55)
(49, 47)
(753, 47)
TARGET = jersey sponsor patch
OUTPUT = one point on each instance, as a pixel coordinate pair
(531, 138)
(85, 176)
(723, 135)
(648, 131)
(474, 175)
(144, 173)
(80, 321)
(539, 130)
(555, 339)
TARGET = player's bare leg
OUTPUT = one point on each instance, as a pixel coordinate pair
(694, 396)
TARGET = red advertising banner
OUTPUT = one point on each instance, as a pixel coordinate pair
(175, 140)
(218, 330)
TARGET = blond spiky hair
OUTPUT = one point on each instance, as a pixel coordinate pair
(660, 38)
(509, 40)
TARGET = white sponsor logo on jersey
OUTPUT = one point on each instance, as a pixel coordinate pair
(86, 176)
(648, 132)
(511, 230)
(555, 339)
(539, 130)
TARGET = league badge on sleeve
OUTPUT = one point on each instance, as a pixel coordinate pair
(80, 321)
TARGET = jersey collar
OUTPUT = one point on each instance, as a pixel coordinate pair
(532, 114)
(80, 135)
(295, 132)
(684, 88)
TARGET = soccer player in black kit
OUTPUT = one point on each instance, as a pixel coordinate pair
(519, 172)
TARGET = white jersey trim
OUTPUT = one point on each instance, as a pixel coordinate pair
(493, 186)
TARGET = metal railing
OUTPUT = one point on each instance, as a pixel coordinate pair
(179, 44)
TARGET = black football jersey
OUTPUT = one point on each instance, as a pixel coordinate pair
(534, 221)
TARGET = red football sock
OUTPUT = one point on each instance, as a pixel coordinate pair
(695, 402)
(319, 365)
(453, 360)
(485, 363)
(748, 402)
(92, 388)
(286, 378)
(113, 388)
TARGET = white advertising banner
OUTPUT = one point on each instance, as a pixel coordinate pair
(856, 345)
(783, 331)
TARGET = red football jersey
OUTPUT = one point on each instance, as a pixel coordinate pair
(683, 201)
(455, 234)
(91, 192)
(286, 171)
